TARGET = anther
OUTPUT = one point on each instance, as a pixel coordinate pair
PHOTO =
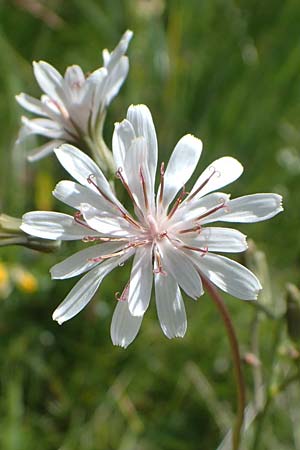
(124, 296)
(79, 219)
(162, 235)
(118, 173)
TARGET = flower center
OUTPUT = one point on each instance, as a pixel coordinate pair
(155, 234)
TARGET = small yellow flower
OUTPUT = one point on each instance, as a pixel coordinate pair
(4, 281)
(25, 280)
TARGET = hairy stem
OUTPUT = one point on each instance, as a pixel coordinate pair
(241, 398)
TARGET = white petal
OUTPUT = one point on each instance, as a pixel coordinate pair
(106, 224)
(84, 289)
(74, 194)
(43, 151)
(44, 127)
(219, 174)
(181, 165)
(110, 59)
(135, 162)
(80, 167)
(142, 122)
(74, 77)
(96, 82)
(53, 225)
(124, 327)
(31, 104)
(181, 268)
(249, 208)
(140, 284)
(50, 80)
(115, 79)
(170, 306)
(82, 261)
(217, 240)
(122, 139)
(192, 210)
(230, 276)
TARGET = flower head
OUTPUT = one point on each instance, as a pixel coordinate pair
(73, 106)
(167, 236)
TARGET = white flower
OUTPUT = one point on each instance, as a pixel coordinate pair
(167, 237)
(74, 106)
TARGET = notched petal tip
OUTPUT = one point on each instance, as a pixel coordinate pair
(123, 345)
(279, 199)
(57, 318)
(139, 106)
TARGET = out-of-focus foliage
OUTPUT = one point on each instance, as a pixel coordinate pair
(229, 72)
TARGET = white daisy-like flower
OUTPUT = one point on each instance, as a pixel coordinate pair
(74, 106)
(168, 236)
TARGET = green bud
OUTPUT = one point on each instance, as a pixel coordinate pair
(11, 234)
(293, 312)
(257, 262)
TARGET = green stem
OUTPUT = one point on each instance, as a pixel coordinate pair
(235, 353)
(262, 414)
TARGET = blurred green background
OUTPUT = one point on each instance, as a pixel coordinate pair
(228, 72)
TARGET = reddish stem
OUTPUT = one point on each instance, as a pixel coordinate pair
(240, 385)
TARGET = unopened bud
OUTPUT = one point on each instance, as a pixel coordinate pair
(256, 260)
(293, 312)
(11, 234)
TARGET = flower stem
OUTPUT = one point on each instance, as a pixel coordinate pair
(241, 398)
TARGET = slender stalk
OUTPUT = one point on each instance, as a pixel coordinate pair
(235, 353)
(263, 413)
(259, 393)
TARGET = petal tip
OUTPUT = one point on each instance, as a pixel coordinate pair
(57, 319)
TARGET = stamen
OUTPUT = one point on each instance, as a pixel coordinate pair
(177, 202)
(203, 251)
(108, 256)
(161, 186)
(159, 268)
(79, 219)
(144, 188)
(214, 172)
(120, 252)
(162, 235)
(130, 219)
(120, 176)
(124, 296)
(124, 214)
(126, 186)
(213, 210)
(60, 107)
(196, 229)
(103, 239)
(91, 181)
